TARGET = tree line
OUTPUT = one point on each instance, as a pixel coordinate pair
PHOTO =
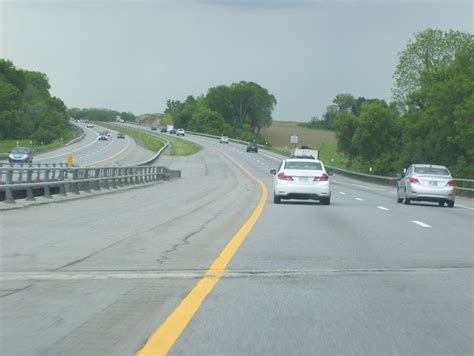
(239, 110)
(431, 119)
(99, 114)
(27, 109)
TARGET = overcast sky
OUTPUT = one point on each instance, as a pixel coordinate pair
(134, 55)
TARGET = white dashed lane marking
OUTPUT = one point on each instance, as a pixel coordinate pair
(342, 193)
(382, 208)
(359, 199)
(420, 223)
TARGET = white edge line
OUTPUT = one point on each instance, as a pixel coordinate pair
(422, 224)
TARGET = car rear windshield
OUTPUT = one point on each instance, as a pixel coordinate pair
(432, 170)
(303, 165)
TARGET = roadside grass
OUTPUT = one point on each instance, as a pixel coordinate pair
(181, 147)
(149, 141)
(152, 141)
(7, 145)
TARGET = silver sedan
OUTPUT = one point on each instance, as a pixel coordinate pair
(426, 182)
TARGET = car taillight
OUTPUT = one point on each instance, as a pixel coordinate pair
(452, 183)
(414, 180)
(283, 176)
(324, 177)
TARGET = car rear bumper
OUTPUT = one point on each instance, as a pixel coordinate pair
(419, 193)
(286, 191)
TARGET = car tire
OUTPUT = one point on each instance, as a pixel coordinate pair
(450, 204)
(399, 200)
(406, 201)
(441, 203)
(276, 199)
(325, 201)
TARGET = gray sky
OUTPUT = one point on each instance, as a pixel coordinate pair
(134, 55)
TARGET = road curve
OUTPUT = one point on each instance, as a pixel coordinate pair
(364, 275)
(90, 152)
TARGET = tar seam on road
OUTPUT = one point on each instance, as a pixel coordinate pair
(163, 339)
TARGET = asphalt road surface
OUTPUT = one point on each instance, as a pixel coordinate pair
(364, 275)
(91, 152)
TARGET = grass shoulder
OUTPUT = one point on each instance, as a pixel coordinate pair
(154, 141)
(149, 141)
(7, 145)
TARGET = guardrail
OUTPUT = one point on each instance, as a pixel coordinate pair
(463, 186)
(44, 181)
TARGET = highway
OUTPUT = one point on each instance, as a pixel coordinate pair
(131, 271)
(90, 152)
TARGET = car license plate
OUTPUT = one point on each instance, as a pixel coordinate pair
(433, 183)
(303, 179)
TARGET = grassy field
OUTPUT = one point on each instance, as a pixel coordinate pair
(154, 142)
(7, 145)
(278, 135)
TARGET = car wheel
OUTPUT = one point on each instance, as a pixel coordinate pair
(325, 201)
(406, 200)
(450, 204)
(276, 199)
(441, 203)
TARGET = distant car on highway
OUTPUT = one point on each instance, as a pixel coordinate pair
(301, 178)
(180, 132)
(21, 155)
(89, 125)
(173, 131)
(426, 182)
(120, 135)
(224, 139)
(163, 130)
(103, 137)
(153, 128)
(252, 147)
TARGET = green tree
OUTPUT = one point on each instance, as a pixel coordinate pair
(439, 125)
(376, 140)
(431, 51)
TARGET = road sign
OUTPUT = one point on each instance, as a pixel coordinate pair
(294, 139)
(69, 160)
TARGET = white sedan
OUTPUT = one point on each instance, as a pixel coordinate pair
(301, 178)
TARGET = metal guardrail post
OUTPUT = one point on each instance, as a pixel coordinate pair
(62, 187)
(75, 185)
(97, 177)
(88, 184)
(29, 190)
(8, 190)
(113, 180)
(106, 175)
(47, 192)
(20, 175)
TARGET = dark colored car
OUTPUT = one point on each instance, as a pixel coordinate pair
(173, 132)
(153, 128)
(120, 135)
(163, 130)
(21, 155)
(252, 147)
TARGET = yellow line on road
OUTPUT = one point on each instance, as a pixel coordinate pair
(111, 157)
(163, 339)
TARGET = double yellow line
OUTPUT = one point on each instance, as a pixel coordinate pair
(163, 339)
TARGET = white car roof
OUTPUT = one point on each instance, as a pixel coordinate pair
(302, 160)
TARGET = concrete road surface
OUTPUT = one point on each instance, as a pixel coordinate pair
(364, 275)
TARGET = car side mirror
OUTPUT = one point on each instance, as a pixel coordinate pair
(330, 173)
(273, 171)
(399, 175)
